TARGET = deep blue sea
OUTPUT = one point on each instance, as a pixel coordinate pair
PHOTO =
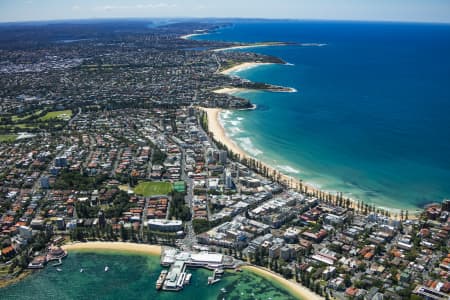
(371, 117)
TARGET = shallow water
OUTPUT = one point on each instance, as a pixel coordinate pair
(132, 277)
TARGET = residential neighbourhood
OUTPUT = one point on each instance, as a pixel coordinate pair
(100, 156)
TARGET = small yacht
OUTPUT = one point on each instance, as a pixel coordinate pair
(58, 269)
(223, 290)
(106, 269)
(81, 270)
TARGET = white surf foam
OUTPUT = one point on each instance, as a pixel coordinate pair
(226, 114)
(313, 44)
(288, 169)
(246, 144)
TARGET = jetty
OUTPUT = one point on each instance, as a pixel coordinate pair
(216, 276)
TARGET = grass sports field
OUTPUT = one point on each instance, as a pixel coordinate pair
(147, 188)
(61, 114)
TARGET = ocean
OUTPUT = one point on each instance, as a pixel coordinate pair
(371, 115)
(133, 276)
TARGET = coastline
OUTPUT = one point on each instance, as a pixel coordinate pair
(293, 287)
(246, 66)
(218, 132)
(229, 90)
(188, 36)
(115, 246)
(257, 45)
(243, 66)
(23, 274)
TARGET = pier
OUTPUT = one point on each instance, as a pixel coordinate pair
(178, 261)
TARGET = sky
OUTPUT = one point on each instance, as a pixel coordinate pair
(370, 10)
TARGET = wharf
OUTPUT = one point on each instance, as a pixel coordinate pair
(179, 261)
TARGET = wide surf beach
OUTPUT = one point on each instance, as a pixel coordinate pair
(218, 132)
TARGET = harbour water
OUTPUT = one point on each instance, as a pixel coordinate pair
(370, 118)
(131, 276)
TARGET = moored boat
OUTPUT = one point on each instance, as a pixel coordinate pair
(161, 278)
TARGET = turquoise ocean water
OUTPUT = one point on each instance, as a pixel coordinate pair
(132, 277)
(371, 115)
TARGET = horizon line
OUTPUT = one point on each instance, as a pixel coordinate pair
(225, 18)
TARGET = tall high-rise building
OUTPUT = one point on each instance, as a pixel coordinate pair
(223, 155)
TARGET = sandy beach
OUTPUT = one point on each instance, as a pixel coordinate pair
(115, 246)
(249, 46)
(188, 36)
(243, 66)
(229, 90)
(218, 132)
(295, 288)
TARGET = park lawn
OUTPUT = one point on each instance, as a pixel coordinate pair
(147, 188)
(7, 137)
(60, 114)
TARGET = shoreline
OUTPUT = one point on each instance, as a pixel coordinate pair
(257, 45)
(188, 36)
(115, 246)
(296, 289)
(244, 66)
(229, 90)
(22, 275)
(293, 287)
(218, 132)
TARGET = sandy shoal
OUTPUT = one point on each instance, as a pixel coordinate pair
(115, 246)
(295, 288)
